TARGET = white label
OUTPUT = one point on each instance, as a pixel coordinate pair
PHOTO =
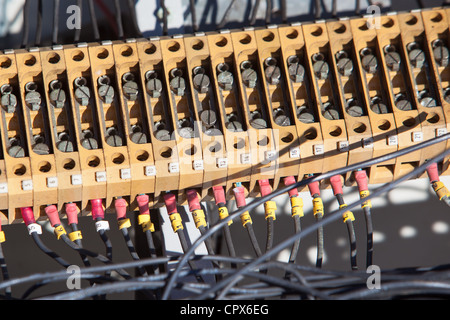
(100, 176)
(417, 136)
(393, 140)
(34, 227)
(367, 143)
(343, 146)
(101, 225)
(294, 152)
(76, 179)
(270, 155)
(174, 167)
(222, 162)
(318, 149)
(52, 182)
(197, 164)
(150, 170)
(125, 173)
(441, 132)
(3, 187)
(27, 185)
(246, 158)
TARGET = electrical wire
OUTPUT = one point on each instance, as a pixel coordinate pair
(193, 15)
(164, 18)
(226, 15)
(283, 9)
(37, 41)
(132, 9)
(306, 231)
(268, 11)
(78, 30)
(317, 10)
(369, 233)
(5, 273)
(55, 21)
(37, 240)
(120, 33)
(334, 8)
(26, 23)
(132, 250)
(254, 12)
(351, 232)
(94, 20)
(330, 218)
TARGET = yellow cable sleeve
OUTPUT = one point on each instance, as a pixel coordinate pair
(246, 218)
(75, 235)
(223, 214)
(2, 237)
(177, 224)
(347, 214)
(297, 207)
(363, 194)
(270, 208)
(59, 231)
(124, 223)
(318, 206)
(440, 189)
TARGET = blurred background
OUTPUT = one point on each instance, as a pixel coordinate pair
(412, 228)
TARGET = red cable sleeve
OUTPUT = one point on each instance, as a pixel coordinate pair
(192, 198)
(97, 209)
(433, 173)
(72, 213)
(336, 184)
(264, 187)
(142, 201)
(171, 203)
(219, 195)
(361, 180)
(121, 208)
(314, 188)
(287, 182)
(27, 215)
(53, 215)
(239, 194)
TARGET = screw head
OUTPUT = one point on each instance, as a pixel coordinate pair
(138, 137)
(417, 58)
(114, 140)
(208, 118)
(296, 72)
(258, 123)
(16, 152)
(234, 126)
(225, 80)
(273, 74)
(154, 87)
(345, 66)
(379, 108)
(89, 143)
(369, 63)
(178, 85)
(131, 90)
(355, 111)
(106, 92)
(321, 69)
(65, 146)
(393, 60)
(83, 94)
(58, 97)
(441, 55)
(41, 148)
(162, 135)
(9, 102)
(201, 82)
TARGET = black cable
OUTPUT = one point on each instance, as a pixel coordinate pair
(283, 9)
(208, 245)
(132, 250)
(55, 21)
(254, 12)
(5, 273)
(253, 239)
(351, 235)
(318, 10)
(37, 41)
(164, 10)
(78, 30)
(268, 11)
(120, 34)
(304, 182)
(37, 240)
(132, 9)
(26, 23)
(358, 7)
(193, 15)
(185, 248)
(334, 8)
(93, 20)
(320, 249)
(269, 238)
(78, 242)
(152, 249)
(369, 232)
(226, 15)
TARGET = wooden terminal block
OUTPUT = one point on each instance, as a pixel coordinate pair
(406, 113)
(334, 132)
(62, 127)
(187, 132)
(349, 87)
(226, 87)
(87, 130)
(376, 97)
(39, 139)
(302, 101)
(137, 127)
(15, 165)
(281, 114)
(436, 25)
(210, 123)
(156, 99)
(423, 83)
(112, 131)
(262, 144)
